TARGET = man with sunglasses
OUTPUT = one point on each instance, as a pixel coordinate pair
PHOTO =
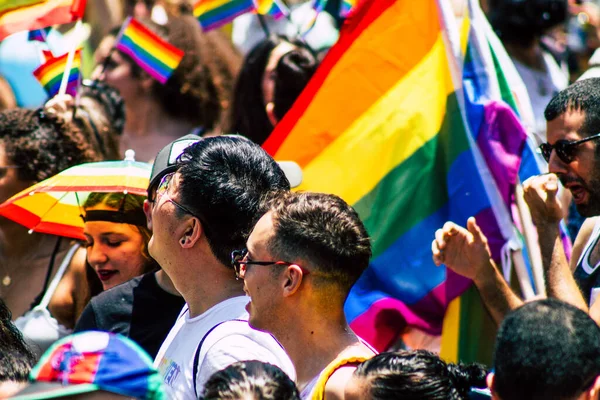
(573, 155)
(301, 260)
(204, 206)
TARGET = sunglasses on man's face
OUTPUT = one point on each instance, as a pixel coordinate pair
(565, 149)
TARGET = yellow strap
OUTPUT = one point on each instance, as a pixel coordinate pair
(319, 390)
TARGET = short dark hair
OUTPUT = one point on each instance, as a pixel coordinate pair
(42, 144)
(583, 95)
(254, 380)
(418, 374)
(250, 380)
(224, 179)
(546, 349)
(16, 359)
(323, 230)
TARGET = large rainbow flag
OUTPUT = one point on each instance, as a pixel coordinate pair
(50, 74)
(385, 127)
(156, 56)
(27, 15)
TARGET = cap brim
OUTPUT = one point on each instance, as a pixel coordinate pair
(292, 172)
(53, 390)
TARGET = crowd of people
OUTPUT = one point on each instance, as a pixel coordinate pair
(223, 283)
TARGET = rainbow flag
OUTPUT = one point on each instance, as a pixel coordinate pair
(156, 56)
(39, 35)
(50, 74)
(401, 153)
(274, 8)
(497, 106)
(27, 15)
(214, 13)
(346, 7)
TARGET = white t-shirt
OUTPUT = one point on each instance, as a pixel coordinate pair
(228, 343)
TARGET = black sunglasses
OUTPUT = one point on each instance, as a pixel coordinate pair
(565, 149)
(238, 257)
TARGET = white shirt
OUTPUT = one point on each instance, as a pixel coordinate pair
(228, 343)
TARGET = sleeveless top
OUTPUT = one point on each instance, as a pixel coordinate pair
(40, 329)
(588, 276)
(315, 390)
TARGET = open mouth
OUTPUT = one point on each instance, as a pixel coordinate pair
(578, 193)
(105, 275)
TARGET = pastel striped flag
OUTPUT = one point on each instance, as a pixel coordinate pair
(156, 56)
(50, 74)
(274, 8)
(496, 110)
(383, 127)
(27, 15)
(214, 13)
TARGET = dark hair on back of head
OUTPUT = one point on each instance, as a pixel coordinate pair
(246, 380)
(248, 113)
(41, 144)
(224, 179)
(418, 374)
(582, 96)
(321, 230)
(292, 74)
(16, 359)
(546, 349)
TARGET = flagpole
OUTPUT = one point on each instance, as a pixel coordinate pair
(113, 48)
(533, 248)
(65, 78)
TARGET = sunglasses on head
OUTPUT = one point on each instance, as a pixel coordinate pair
(565, 149)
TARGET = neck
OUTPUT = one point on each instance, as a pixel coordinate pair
(530, 56)
(17, 243)
(206, 284)
(149, 128)
(315, 342)
(165, 283)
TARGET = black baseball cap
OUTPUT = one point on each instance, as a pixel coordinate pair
(166, 162)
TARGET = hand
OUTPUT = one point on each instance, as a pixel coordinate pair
(59, 104)
(465, 251)
(540, 195)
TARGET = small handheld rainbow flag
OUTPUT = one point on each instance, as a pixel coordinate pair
(214, 13)
(319, 5)
(274, 8)
(51, 73)
(346, 7)
(38, 35)
(156, 56)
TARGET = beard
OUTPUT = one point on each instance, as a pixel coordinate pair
(591, 208)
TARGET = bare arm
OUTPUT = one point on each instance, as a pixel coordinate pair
(466, 252)
(546, 212)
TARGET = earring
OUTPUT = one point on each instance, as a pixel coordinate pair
(182, 241)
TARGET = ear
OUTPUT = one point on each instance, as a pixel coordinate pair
(146, 82)
(490, 383)
(293, 280)
(270, 110)
(593, 392)
(192, 234)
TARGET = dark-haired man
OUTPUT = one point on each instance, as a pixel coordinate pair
(203, 210)
(573, 156)
(546, 349)
(301, 259)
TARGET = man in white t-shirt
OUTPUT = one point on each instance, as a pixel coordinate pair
(202, 206)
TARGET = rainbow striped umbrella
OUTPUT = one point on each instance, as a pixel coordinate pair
(53, 206)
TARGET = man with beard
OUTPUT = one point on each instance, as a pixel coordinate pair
(572, 152)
